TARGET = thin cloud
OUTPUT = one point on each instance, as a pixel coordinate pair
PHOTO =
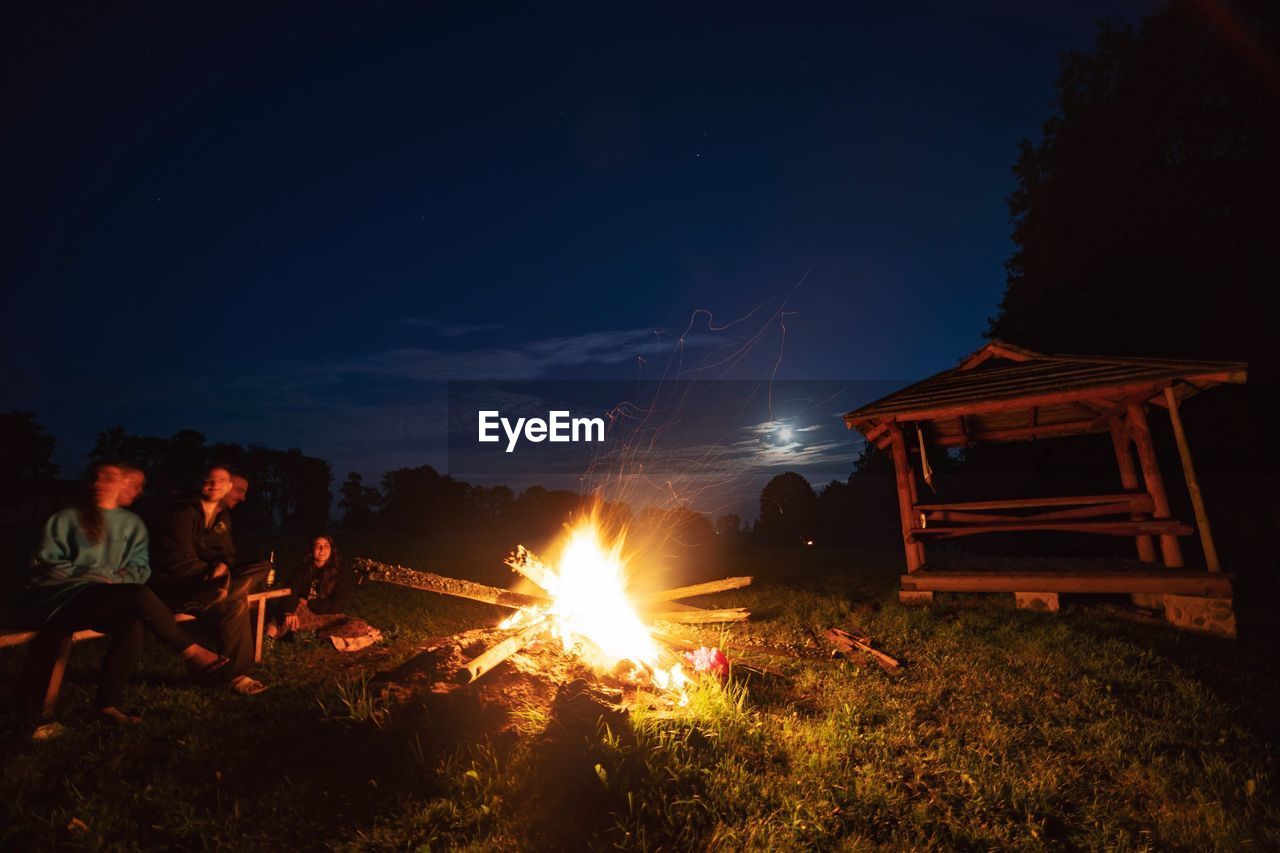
(533, 360)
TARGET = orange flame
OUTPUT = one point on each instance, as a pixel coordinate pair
(590, 612)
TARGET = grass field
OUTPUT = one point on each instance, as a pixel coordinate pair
(1006, 729)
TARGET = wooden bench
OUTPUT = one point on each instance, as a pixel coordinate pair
(257, 610)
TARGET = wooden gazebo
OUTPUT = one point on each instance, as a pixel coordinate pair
(1007, 393)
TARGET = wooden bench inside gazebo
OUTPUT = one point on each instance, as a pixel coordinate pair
(1007, 393)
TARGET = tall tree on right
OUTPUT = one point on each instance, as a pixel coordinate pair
(1144, 223)
(1145, 218)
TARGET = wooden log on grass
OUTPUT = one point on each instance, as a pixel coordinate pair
(690, 591)
(849, 643)
(402, 576)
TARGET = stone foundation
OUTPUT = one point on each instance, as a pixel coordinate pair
(1148, 600)
(1046, 601)
(1209, 615)
(913, 598)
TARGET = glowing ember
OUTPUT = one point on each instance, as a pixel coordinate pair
(590, 612)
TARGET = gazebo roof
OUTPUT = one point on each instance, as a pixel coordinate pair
(1004, 392)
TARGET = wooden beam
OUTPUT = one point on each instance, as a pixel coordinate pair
(1121, 407)
(1020, 433)
(1091, 511)
(1193, 484)
(722, 585)
(698, 617)
(1207, 584)
(994, 350)
(1165, 528)
(902, 482)
(875, 432)
(402, 576)
(1018, 403)
(1120, 441)
(1136, 418)
(1026, 503)
(481, 664)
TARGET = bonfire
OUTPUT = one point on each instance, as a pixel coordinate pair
(583, 604)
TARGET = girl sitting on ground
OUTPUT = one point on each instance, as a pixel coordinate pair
(90, 570)
(321, 591)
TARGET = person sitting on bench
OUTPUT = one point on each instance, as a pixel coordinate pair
(194, 556)
(249, 575)
(91, 565)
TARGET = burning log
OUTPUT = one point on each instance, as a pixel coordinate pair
(590, 604)
(481, 664)
(446, 586)
(525, 562)
(690, 591)
(697, 617)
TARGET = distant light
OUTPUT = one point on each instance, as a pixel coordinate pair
(809, 542)
(785, 433)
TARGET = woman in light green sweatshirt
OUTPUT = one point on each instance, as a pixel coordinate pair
(91, 567)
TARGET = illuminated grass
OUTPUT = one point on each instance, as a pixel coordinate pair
(1005, 729)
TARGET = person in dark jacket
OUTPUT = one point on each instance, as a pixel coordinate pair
(193, 561)
(248, 574)
(91, 566)
(321, 590)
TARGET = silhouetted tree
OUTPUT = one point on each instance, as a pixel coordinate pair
(26, 449)
(729, 526)
(1144, 218)
(359, 502)
(287, 489)
(788, 510)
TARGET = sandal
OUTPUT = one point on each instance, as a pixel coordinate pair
(48, 730)
(243, 685)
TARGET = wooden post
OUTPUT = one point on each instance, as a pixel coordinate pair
(1170, 550)
(1193, 485)
(915, 499)
(1129, 480)
(902, 476)
(50, 701)
(260, 618)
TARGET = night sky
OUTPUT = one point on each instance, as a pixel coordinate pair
(292, 225)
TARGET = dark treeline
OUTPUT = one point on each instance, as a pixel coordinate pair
(1144, 223)
(415, 515)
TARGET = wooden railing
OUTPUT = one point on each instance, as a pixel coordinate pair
(1072, 514)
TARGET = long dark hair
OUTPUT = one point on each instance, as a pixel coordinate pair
(89, 513)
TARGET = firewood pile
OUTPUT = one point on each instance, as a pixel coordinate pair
(655, 608)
